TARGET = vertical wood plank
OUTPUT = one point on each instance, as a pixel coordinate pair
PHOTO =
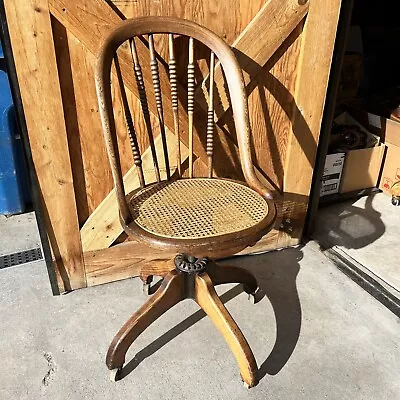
(33, 48)
(314, 66)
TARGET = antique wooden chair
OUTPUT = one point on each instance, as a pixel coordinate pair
(199, 218)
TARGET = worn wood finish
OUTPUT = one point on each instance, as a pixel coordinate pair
(124, 261)
(215, 246)
(310, 94)
(210, 117)
(137, 158)
(103, 227)
(163, 223)
(174, 98)
(37, 72)
(170, 293)
(177, 286)
(190, 102)
(208, 300)
(274, 68)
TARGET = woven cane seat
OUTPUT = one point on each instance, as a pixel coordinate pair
(197, 208)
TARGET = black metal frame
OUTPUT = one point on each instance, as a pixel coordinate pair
(36, 197)
(329, 110)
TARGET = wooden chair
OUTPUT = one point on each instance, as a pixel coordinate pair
(199, 218)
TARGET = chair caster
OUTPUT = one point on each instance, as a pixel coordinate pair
(254, 297)
(115, 374)
(246, 385)
(147, 285)
(146, 289)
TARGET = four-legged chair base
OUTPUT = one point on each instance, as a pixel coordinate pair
(189, 278)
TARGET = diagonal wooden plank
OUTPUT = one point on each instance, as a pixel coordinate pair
(256, 45)
(35, 61)
(91, 23)
(102, 228)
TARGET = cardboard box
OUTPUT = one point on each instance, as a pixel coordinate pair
(362, 166)
(386, 129)
(389, 131)
(361, 169)
(332, 173)
(391, 169)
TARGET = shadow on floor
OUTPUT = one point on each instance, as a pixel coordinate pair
(349, 226)
(276, 273)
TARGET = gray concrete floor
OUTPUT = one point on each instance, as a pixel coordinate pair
(18, 233)
(367, 230)
(315, 335)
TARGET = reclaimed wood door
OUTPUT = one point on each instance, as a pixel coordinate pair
(284, 48)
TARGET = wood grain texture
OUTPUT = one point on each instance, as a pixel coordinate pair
(130, 259)
(313, 75)
(237, 13)
(274, 89)
(130, 127)
(255, 45)
(271, 103)
(103, 226)
(122, 261)
(81, 22)
(170, 293)
(173, 78)
(208, 300)
(38, 80)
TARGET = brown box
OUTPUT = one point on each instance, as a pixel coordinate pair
(361, 169)
(389, 131)
(391, 169)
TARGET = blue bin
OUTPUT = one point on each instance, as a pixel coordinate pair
(14, 184)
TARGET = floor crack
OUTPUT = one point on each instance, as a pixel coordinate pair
(52, 367)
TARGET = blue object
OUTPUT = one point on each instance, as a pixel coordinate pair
(2, 61)
(14, 183)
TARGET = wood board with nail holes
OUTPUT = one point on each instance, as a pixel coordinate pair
(284, 48)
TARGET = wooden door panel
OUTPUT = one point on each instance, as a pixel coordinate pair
(284, 48)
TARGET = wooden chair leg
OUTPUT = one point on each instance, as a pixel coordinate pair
(208, 300)
(169, 293)
(221, 274)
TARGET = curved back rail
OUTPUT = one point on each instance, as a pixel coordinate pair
(128, 30)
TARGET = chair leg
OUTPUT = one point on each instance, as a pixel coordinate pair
(208, 300)
(169, 293)
(220, 274)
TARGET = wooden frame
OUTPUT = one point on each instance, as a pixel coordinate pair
(292, 61)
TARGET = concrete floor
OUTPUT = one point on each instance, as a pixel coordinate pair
(367, 230)
(18, 233)
(316, 335)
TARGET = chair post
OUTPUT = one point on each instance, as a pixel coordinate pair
(190, 102)
(210, 118)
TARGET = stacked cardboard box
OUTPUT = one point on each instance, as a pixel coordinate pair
(389, 131)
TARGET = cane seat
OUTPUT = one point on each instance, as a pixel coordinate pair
(197, 208)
